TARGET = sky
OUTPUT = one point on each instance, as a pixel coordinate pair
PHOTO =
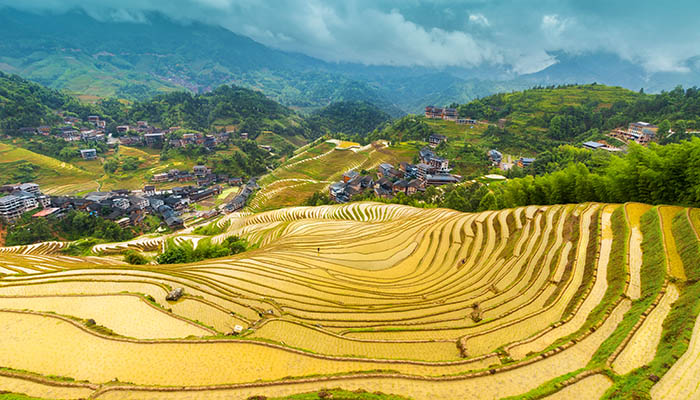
(522, 36)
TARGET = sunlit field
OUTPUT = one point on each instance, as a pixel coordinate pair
(567, 301)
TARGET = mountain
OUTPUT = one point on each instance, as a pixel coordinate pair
(92, 58)
(78, 53)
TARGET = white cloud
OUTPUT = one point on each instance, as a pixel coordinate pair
(479, 19)
(553, 25)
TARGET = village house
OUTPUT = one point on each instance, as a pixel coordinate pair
(350, 175)
(149, 190)
(525, 162)
(88, 154)
(14, 205)
(593, 145)
(201, 170)
(441, 179)
(640, 132)
(434, 140)
(386, 170)
(495, 156)
(154, 139)
(162, 177)
(449, 114)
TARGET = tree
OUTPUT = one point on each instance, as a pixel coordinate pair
(556, 127)
(662, 132)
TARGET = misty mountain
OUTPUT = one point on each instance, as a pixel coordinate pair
(89, 57)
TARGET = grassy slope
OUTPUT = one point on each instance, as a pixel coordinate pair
(51, 173)
(79, 176)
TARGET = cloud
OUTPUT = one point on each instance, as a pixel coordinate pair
(520, 36)
(479, 19)
(553, 25)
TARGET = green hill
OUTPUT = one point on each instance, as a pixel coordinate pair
(350, 117)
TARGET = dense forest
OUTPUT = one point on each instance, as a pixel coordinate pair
(349, 117)
(226, 105)
(75, 225)
(23, 103)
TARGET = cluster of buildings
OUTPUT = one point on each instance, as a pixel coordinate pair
(640, 132)
(242, 197)
(447, 114)
(202, 174)
(142, 134)
(20, 198)
(407, 178)
(122, 206)
(157, 138)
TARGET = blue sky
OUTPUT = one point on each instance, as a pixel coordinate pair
(519, 35)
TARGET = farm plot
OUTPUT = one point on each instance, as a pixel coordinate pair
(125, 315)
(426, 303)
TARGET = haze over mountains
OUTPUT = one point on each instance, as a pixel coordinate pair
(135, 60)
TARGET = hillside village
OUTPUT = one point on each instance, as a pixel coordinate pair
(175, 207)
(94, 130)
(391, 180)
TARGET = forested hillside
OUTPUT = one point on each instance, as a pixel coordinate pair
(23, 103)
(26, 104)
(350, 117)
(581, 112)
(226, 105)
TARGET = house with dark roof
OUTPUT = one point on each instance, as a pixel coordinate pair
(434, 140)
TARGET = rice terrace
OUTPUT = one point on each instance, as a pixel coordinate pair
(564, 302)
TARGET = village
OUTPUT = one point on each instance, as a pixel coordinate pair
(174, 207)
(94, 130)
(406, 178)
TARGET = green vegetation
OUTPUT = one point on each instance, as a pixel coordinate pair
(16, 396)
(212, 229)
(653, 175)
(75, 225)
(226, 105)
(187, 253)
(355, 119)
(135, 258)
(81, 247)
(23, 103)
(687, 246)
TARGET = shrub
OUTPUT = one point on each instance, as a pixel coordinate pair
(134, 258)
(185, 253)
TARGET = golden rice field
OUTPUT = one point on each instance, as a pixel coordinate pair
(561, 302)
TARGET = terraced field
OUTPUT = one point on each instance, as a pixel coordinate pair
(566, 301)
